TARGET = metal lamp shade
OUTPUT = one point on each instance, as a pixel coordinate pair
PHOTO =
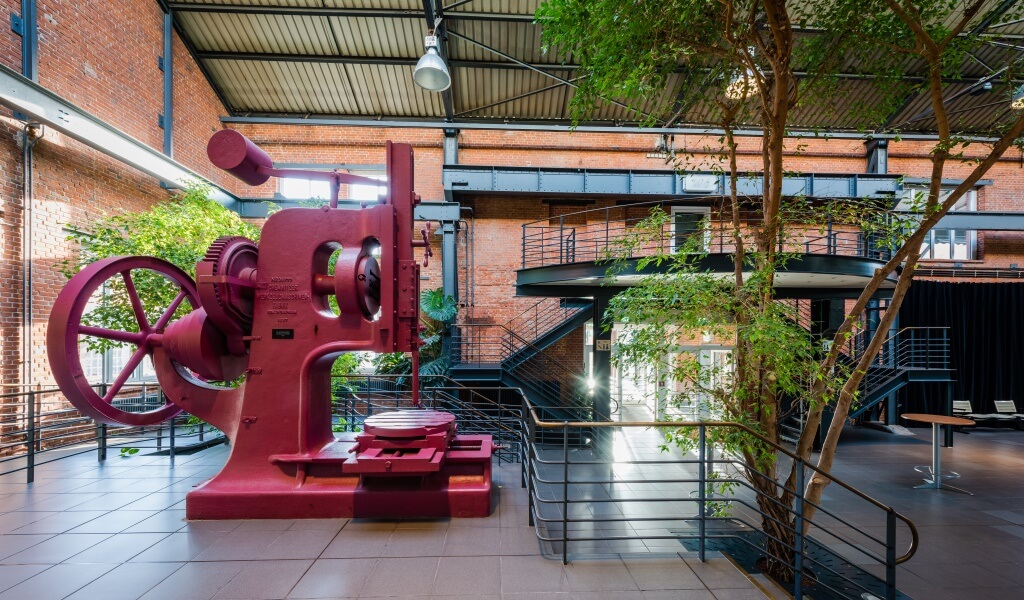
(431, 73)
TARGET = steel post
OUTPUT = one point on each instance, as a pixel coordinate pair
(30, 471)
(798, 530)
(565, 492)
(890, 555)
(702, 473)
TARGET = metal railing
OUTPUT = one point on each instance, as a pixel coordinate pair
(38, 427)
(490, 410)
(485, 343)
(542, 318)
(562, 240)
(540, 374)
(577, 496)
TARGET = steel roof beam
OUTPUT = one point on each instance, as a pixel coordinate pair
(511, 63)
(365, 13)
(369, 60)
(40, 104)
(561, 126)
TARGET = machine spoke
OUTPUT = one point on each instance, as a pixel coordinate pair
(125, 373)
(133, 295)
(112, 334)
(167, 314)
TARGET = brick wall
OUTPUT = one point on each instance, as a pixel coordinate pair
(102, 57)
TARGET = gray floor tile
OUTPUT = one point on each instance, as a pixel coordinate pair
(14, 520)
(195, 581)
(60, 522)
(216, 525)
(334, 578)
(112, 501)
(60, 502)
(518, 541)
(56, 549)
(113, 522)
(155, 501)
(732, 594)
(532, 574)
(265, 525)
(13, 544)
(599, 576)
(325, 524)
(163, 521)
(472, 541)
(118, 548)
(353, 542)
(179, 547)
(302, 543)
(415, 542)
(679, 595)
(127, 582)
(239, 545)
(56, 582)
(23, 500)
(719, 573)
(12, 575)
(468, 576)
(401, 577)
(265, 579)
(663, 574)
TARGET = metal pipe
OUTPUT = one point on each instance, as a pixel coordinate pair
(27, 249)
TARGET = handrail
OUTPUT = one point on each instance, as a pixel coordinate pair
(778, 448)
(555, 240)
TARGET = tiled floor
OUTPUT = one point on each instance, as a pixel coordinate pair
(972, 547)
(86, 530)
(116, 530)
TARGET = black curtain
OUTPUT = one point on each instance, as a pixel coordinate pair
(986, 329)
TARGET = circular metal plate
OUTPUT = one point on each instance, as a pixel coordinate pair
(409, 423)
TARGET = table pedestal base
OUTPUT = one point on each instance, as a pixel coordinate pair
(935, 471)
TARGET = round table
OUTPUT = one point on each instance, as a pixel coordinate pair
(936, 469)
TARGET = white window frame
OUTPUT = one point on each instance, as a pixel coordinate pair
(299, 189)
(704, 211)
(967, 203)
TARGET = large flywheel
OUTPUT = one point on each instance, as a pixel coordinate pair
(83, 310)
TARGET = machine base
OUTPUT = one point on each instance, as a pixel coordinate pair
(319, 490)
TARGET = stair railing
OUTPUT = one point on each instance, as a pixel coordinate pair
(543, 317)
(563, 485)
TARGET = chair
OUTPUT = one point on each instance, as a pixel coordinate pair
(1007, 410)
(962, 408)
(1006, 413)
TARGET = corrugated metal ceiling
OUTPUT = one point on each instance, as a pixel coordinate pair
(343, 58)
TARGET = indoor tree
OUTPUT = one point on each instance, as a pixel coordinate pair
(736, 63)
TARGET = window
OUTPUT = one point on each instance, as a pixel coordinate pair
(304, 189)
(367, 192)
(688, 221)
(307, 189)
(945, 244)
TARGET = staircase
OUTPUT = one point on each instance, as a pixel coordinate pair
(513, 355)
(913, 354)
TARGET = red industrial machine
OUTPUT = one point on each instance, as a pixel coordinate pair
(264, 313)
